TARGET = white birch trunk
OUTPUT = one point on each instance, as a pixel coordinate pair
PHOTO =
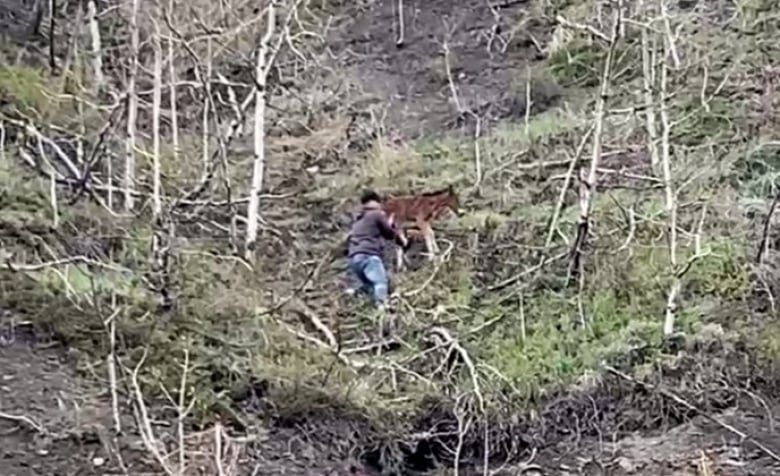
(132, 111)
(259, 135)
(670, 194)
(172, 92)
(648, 70)
(156, 101)
(97, 55)
(589, 181)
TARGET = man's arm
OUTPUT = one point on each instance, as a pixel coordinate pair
(389, 231)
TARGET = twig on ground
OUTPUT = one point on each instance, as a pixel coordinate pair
(352, 364)
(24, 419)
(25, 267)
(582, 27)
(304, 311)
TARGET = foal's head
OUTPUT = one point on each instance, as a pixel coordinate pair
(446, 198)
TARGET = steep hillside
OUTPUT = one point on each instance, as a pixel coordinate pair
(603, 304)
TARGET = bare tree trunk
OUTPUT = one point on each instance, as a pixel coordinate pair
(132, 110)
(161, 238)
(253, 208)
(35, 27)
(206, 110)
(648, 70)
(109, 182)
(589, 184)
(399, 42)
(156, 101)
(670, 194)
(52, 30)
(55, 212)
(97, 58)
(172, 88)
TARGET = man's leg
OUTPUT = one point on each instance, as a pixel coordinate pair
(358, 280)
(374, 272)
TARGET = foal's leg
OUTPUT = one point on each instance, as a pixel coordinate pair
(428, 235)
(433, 241)
(399, 258)
(399, 251)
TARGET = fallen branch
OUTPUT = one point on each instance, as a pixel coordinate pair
(352, 364)
(24, 267)
(442, 336)
(300, 308)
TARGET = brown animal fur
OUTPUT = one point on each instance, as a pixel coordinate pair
(420, 210)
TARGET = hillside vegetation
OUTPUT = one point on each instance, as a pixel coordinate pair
(610, 278)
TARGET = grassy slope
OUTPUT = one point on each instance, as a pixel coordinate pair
(527, 339)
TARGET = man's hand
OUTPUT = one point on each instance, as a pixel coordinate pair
(403, 241)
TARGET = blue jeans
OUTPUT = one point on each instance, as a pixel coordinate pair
(368, 271)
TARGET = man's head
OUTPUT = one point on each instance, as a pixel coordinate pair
(369, 196)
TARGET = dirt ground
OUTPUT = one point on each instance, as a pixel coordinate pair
(489, 50)
(52, 422)
(697, 448)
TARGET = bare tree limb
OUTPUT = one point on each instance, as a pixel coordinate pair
(589, 184)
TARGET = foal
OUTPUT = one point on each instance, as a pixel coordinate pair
(421, 210)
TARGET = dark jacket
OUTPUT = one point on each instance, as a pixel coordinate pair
(369, 231)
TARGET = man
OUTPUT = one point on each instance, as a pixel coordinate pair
(366, 247)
